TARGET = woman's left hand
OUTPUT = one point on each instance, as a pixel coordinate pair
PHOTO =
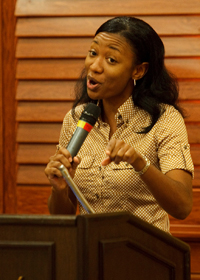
(173, 190)
(117, 150)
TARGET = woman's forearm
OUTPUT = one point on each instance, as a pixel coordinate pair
(172, 191)
(59, 202)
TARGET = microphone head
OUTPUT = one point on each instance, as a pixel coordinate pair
(91, 113)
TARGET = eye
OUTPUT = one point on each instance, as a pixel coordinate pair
(92, 53)
(112, 60)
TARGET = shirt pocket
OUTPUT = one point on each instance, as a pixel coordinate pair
(87, 162)
(121, 166)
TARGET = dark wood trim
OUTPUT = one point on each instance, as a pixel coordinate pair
(1, 116)
(8, 104)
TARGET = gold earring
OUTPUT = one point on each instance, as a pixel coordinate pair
(134, 82)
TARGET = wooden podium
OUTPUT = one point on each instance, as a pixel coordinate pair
(114, 246)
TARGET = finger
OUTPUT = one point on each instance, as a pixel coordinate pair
(55, 178)
(57, 160)
(52, 172)
(66, 153)
(117, 151)
(121, 154)
(76, 162)
(106, 161)
(111, 151)
(110, 147)
(130, 155)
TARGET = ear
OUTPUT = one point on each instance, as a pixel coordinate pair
(140, 70)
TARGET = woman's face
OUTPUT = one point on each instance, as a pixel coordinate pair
(110, 68)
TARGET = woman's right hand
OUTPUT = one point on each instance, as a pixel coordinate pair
(52, 172)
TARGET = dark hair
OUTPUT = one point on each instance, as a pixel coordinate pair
(157, 86)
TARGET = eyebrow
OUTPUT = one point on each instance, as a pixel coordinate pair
(111, 47)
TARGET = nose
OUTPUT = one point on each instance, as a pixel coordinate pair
(97, 65)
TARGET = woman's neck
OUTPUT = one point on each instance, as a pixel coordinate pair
(108, 116)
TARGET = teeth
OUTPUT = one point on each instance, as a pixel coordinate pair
(92, 82)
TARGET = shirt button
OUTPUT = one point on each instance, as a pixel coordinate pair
(97, 196)
(185, 147)
(99, 168)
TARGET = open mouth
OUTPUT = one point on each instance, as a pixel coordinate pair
(92, 83)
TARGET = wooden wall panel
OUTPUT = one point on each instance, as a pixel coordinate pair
(104, 7)
(48, 69)
(28, 195)
(189, 89)
(1, 116)
(34, 174)
(71, 68)
(42, 111)
(195, 257)
(61, 47)
(29, 174)
(192, 110)
(38, 132)
(44, 150)
(52, 41)
(8, 144)
(193, 132)
(86, 26)
(40, 153)
(193, 218)
(41, 132)
(64, 90)
(196, 177)
(195, 276)
(51, 47)
(45, 90)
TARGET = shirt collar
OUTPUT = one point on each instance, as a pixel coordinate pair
(126, 110)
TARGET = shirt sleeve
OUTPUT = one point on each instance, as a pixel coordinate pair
(67, 130)
(69, 126)
(173, 146)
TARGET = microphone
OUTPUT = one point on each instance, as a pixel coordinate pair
(85, 124)
(75, 189)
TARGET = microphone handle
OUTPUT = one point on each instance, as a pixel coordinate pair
(76, 141)
(75, 189)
